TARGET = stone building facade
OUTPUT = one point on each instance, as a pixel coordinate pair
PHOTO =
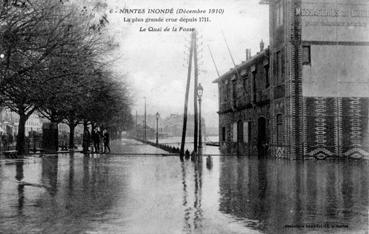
(244, 106)
(319, 80)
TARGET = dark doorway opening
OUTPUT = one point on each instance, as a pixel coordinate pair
(239, 137)
(262, 138)
(239, 131)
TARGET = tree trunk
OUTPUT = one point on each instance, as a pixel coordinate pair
(56, 136)
(21, 133)
(86, 137)
(71, 135)
(56, 132)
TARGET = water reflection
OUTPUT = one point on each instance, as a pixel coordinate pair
(187, 225)
(272, 195)
(115, 194)
(198, 195)
(49, 175)
(209, 162)
(192, 213)
(19, 177)
(71, 174)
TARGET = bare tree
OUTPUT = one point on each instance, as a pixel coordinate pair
(30, 36)
(52, 63)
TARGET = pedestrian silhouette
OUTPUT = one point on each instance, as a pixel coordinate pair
(106, 141)
(187, 154)
(96, 140)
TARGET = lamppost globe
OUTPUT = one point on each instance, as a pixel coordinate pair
(2, 56)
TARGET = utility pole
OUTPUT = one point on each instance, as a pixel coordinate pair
(136, 126)
(157, 127)
(145, 120)
(186, 97)
(195, 95)
(200, 91)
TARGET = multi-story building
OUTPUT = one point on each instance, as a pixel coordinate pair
(319, 79)
(244, 105)
(9, 122)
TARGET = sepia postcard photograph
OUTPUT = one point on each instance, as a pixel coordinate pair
(184, 116)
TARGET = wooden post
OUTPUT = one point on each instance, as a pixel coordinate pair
(145, 121)
(186, 98)
(195, 96)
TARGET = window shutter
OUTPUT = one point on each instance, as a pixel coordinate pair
(246, 132)
(234, 136)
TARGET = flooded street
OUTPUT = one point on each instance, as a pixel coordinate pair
(155, 194)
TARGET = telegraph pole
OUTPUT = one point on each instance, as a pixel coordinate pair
(195, 95)
(186, 97)
(136, 126)
(145, 120)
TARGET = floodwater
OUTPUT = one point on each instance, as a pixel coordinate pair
(132, 193)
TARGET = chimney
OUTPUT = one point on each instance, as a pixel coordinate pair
(248, 54)
(261, 45)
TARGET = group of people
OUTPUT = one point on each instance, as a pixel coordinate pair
(6, 140)
(100, 141)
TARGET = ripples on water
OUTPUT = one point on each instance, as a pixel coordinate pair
(115, 194)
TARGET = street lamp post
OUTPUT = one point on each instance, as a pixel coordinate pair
(200, 91)
(157, 127)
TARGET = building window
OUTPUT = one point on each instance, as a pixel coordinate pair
(277, 71)
(226, 91)
(246, 131)
(254, 84)
(279, 14)
(279, 130)
(234, 91)
(223, 134)
(279, 63)
(306, 55)
(267, 82)
(220, 95)
(243, 73)
(245, 84)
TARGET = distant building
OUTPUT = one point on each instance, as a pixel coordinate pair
(171, 125)
(9, 122)
(318, 84)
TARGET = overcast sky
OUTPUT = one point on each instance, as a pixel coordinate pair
(155, 62)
